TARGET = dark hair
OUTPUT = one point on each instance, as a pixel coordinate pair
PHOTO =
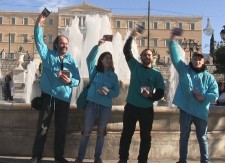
(56, 41)
(100, 66)
(145, 51)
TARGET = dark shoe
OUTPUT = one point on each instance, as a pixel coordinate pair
(34, 160)
(122, 161)
(62, 160)
(78, 160)
(142, 161)
(98, 160)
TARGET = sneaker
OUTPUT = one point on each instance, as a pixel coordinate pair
(142, 161)
(62, 160)
(78, 160)
(34, 160)
(98, 160)
(122, 161)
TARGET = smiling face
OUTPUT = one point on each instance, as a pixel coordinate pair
(197, 61)
(107, 61)
(146, 58)
(62, 45)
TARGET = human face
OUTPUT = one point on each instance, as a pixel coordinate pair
(107, 61)
(62, 46)
(146, 58)
(197, 62)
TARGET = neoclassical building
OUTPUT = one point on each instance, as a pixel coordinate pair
(16, 27)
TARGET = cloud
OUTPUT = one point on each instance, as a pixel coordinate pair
(53, 5)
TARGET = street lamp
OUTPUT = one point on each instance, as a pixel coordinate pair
(191, 46)
(222, 33)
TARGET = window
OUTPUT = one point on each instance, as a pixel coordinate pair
(155, 42)
(0, 37)
(142, 42)
(117, 24)
(50, 22)
(167, 42)
(192, 26)
(82, 21)
(13, 21)
(180, 25)
(67, 22)
(25, 21)
(50, 39)
(143, 24)
(24, 38)
(130, 24)
(155, 25)
(12, 37)
(0, 20)
(167, 25)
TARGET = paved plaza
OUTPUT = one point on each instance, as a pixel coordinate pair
(10, 159)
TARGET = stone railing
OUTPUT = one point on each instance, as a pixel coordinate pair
(19, 121)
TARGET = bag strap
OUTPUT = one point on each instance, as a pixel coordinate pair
(92, 78)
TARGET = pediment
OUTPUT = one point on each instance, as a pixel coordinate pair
(84, 8)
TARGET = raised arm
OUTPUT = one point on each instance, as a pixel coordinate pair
(127, 47)
(91, 58)
(38, 37)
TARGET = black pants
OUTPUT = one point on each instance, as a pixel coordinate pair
(145, 117)
(60, 109)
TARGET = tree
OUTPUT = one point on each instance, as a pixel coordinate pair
(220, 61)
(212, 47)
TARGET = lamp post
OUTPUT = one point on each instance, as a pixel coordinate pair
(148, 23)
(191, 46)
(222, 33)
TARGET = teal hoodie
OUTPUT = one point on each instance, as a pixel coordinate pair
(50, 83)
(107, 78)
(189, 80)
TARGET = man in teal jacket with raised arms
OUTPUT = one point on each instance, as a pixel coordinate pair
(59, 75)
(195, 90)
(146, 87)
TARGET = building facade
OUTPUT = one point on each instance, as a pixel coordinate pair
(16, 28)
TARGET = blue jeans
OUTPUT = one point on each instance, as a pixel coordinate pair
(201, 131)
(102, 113)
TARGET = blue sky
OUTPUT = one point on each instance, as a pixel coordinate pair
(213, 9)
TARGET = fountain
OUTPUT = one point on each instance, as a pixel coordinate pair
(173, 80)
(80, 46)
(19, 120)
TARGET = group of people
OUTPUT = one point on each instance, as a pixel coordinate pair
(221, 99)
(196, 89)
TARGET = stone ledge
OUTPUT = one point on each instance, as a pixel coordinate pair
(19, 121)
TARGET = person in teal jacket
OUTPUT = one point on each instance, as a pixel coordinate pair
(195, 90)
(104, 87)
(59, 75)
(146, 87)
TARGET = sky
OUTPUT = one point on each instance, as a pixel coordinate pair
(212, 9)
